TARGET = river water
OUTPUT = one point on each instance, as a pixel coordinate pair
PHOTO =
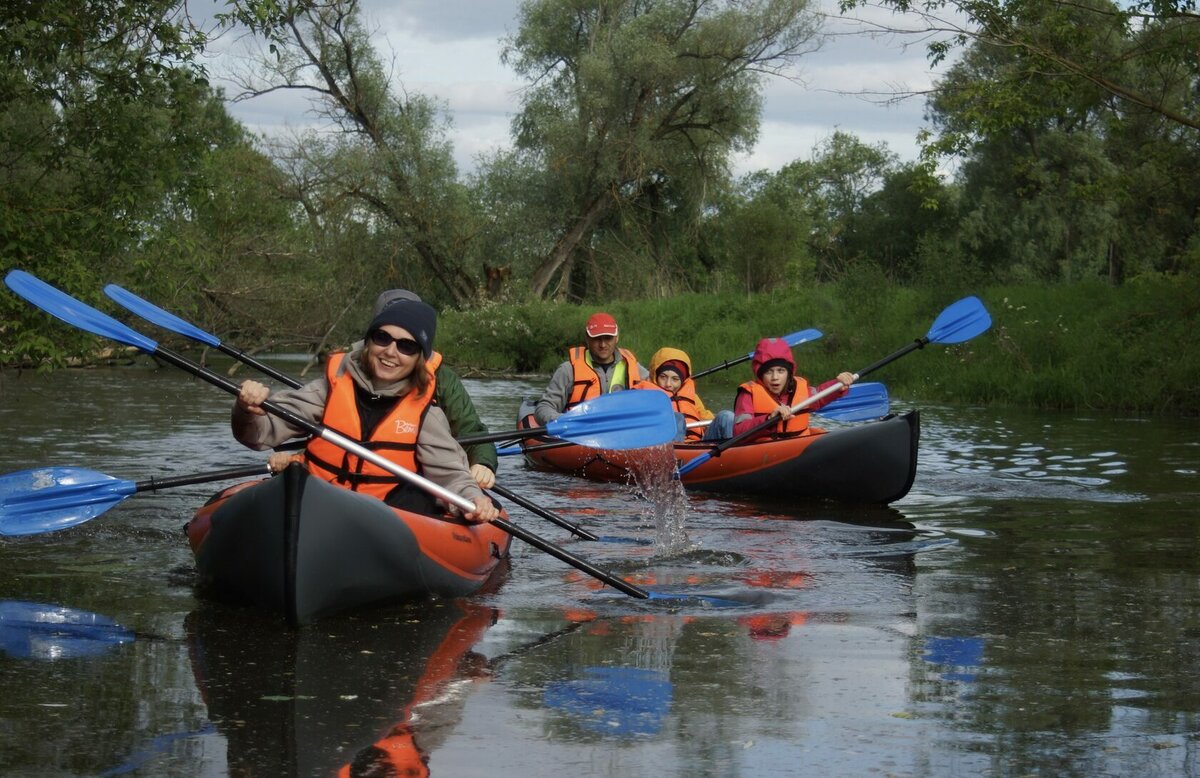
(1031, 608)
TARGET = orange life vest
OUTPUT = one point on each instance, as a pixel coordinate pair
(586, 385)
(394, 437)
(765, 403)
(684, 401)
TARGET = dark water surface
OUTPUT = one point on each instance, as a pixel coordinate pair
(1031, 608)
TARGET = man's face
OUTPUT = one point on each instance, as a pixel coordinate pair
(602, 348)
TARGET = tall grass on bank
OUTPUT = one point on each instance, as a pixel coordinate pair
(1082, 346)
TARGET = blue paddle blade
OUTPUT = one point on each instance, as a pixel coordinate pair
(73, 312)
(960, 321)
(152, 313)
(53, 498)
(867, 400)
(618, 420)
(796, 338)
(34, 630)
(706, 599)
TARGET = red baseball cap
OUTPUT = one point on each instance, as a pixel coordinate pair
(601, 324)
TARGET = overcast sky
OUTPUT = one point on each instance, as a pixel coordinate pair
(451, 49)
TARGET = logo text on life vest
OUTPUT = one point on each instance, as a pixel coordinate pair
(403, 426)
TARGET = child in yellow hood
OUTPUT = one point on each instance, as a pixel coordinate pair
(671, 371)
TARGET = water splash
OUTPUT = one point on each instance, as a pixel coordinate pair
(665, 501)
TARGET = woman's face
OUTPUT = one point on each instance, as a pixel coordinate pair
(388, 363)
(775, 379)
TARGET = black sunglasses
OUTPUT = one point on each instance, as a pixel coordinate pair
(406, 346)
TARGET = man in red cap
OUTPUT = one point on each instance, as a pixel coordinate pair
(598, 368)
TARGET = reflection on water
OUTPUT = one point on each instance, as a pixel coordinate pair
(1032, 607)
(36, 630)
(359, 695)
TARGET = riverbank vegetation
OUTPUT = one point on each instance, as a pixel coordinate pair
(1080, 347)
(1072, 130)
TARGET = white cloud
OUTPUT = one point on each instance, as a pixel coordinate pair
(451, 50)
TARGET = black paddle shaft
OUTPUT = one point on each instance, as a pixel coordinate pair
(154, 484)
(532, 507)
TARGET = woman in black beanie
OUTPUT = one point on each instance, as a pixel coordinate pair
(380, 394)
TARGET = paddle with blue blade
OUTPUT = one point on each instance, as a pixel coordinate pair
(794, 339)
(83, 316)
(617, 420)
(152, 313)
(53, 498)
(959, 322)
(861, 402)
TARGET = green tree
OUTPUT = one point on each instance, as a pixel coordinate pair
(829, 191)
(1065, 43)
(634, 107)
(385, 152)
(890, 225)
(1060, 181)
(757, 236)
(101, 125)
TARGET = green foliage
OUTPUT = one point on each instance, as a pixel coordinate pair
(100, 131)
(1082, 346)
(386, 155)
(632, 114)
(524, 338)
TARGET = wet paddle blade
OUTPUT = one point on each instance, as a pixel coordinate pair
(702, 599)
(960, 321)
(152, 313)
(618, 420)
(63, 306)
(54, 498)
(868, 400)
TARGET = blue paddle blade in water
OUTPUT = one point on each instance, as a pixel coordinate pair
(53, 498)
(152, 313)
(960, 321)
(619, 420)
(34, 630)
(62, 306)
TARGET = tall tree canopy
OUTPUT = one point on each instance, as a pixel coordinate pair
(1143, 54)
(389, 154)
(634, 107)
(1063, 178)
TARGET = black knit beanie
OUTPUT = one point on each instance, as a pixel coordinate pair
(417, 317)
